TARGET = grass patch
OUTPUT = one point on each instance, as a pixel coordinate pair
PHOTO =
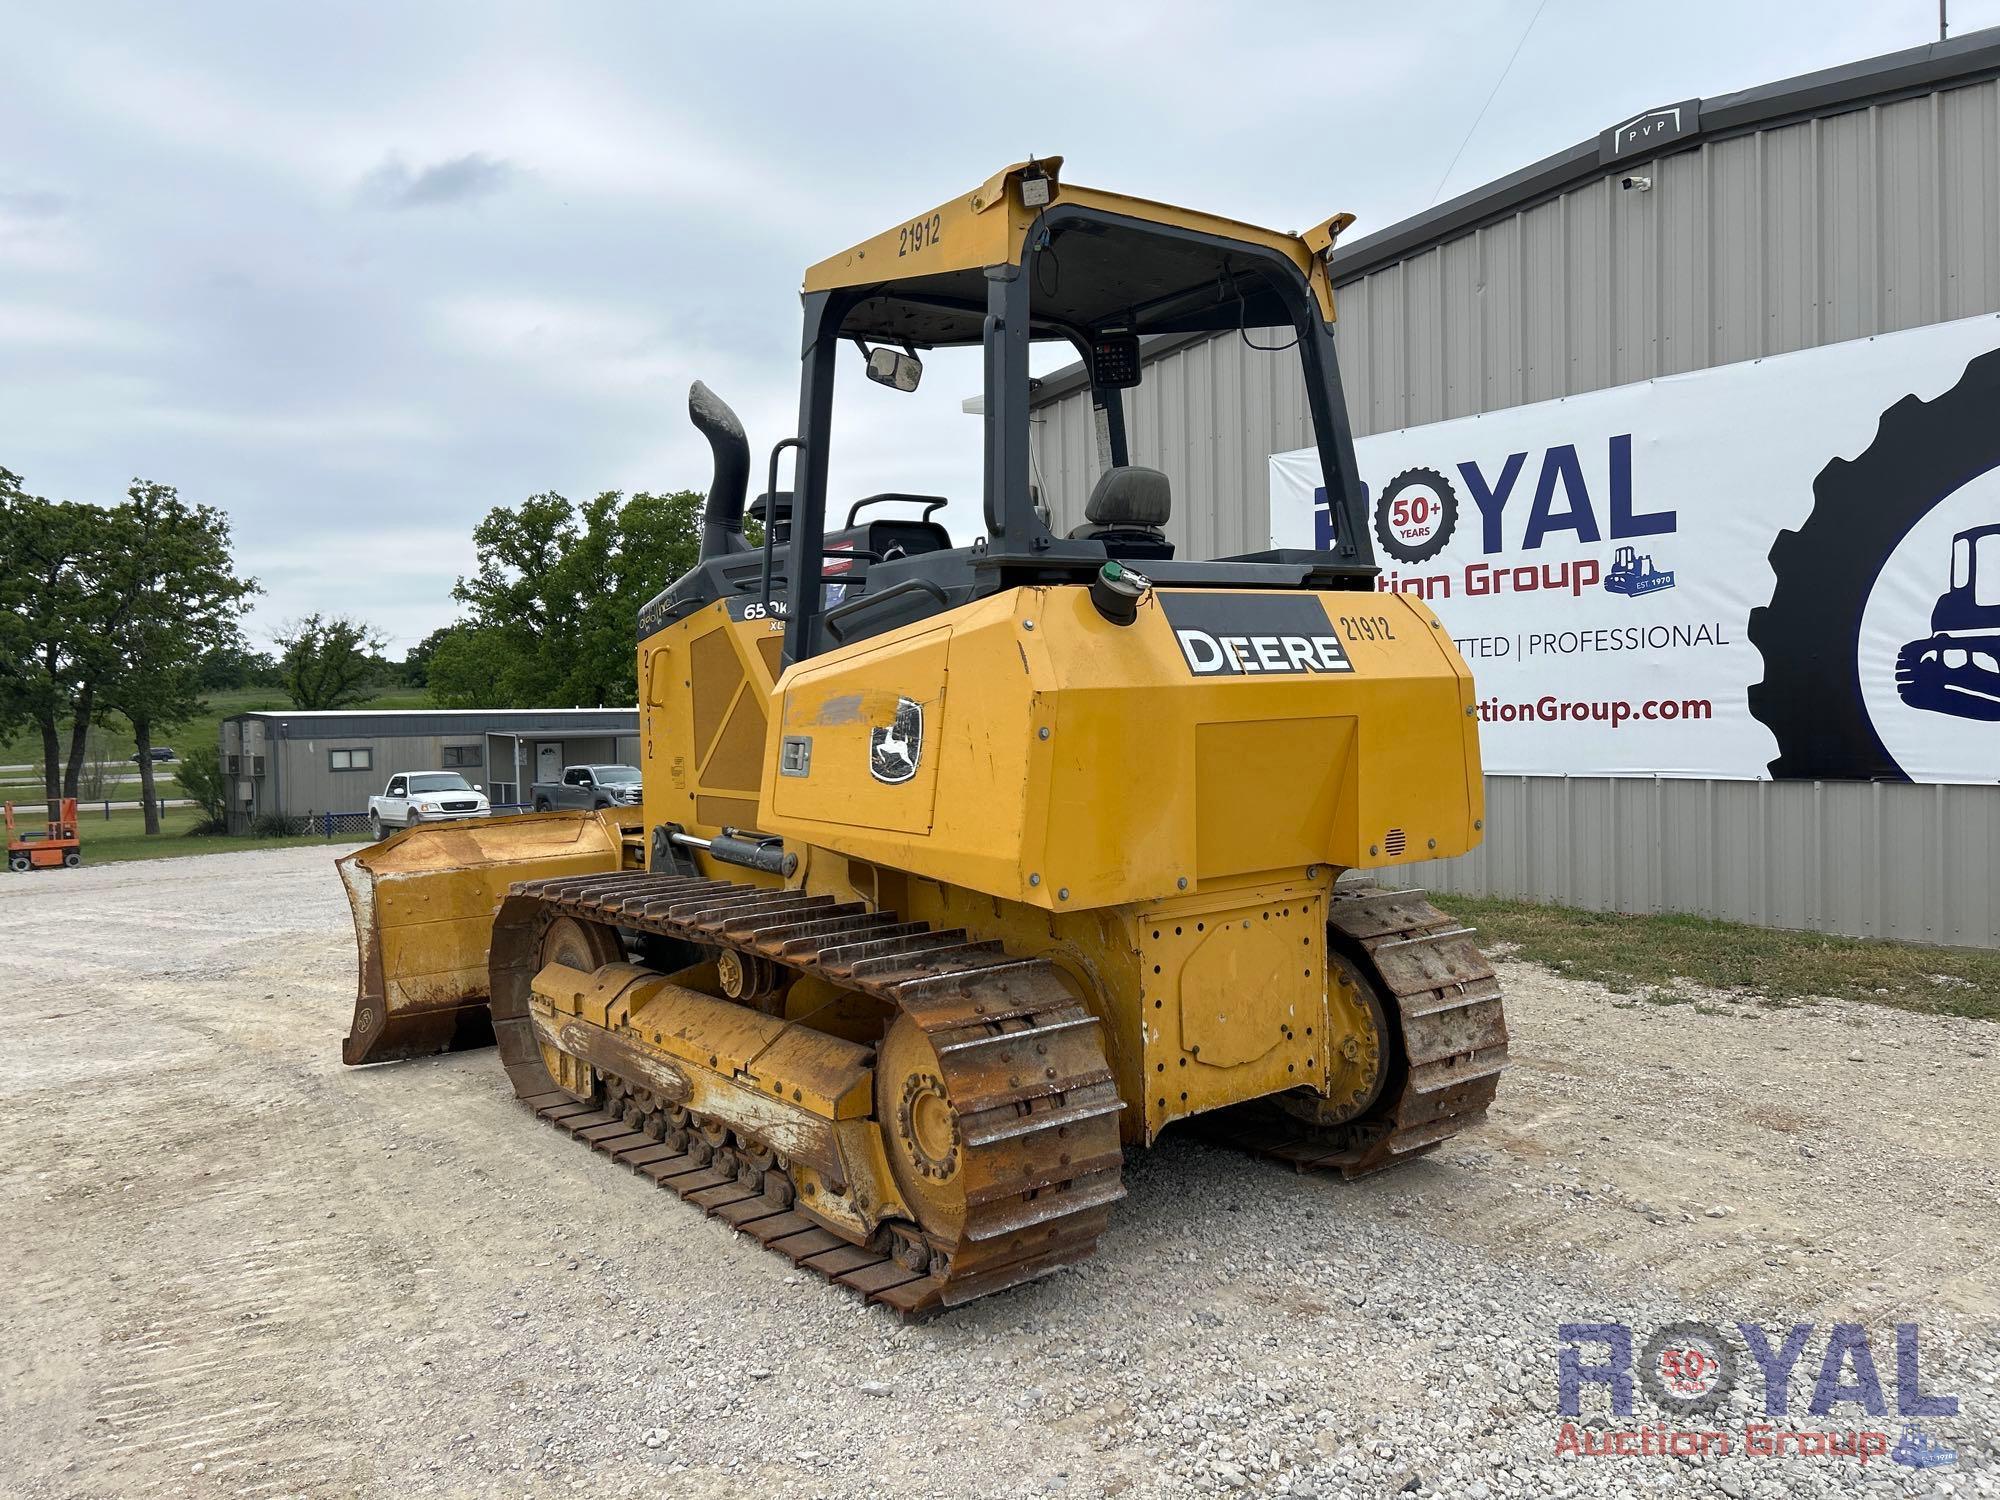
(123, 836)
(114, 737)
(1636, 955)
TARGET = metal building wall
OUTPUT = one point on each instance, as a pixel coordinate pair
(1807, 233)
(302, 779)
(1211, 415)
(1810, 233)
(298, 778)
(1866, 859)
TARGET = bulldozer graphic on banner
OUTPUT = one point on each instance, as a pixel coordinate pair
(1633, 575)
(1956, 668)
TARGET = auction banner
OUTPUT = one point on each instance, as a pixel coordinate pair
(1785, 568)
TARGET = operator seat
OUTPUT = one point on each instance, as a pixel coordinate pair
(1127, 510)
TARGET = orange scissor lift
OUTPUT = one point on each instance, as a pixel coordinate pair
(58, 844)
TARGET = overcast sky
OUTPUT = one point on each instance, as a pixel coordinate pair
(358, 273)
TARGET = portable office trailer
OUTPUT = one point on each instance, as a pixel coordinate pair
(303, 764)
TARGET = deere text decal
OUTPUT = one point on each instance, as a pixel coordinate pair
(1247, 635)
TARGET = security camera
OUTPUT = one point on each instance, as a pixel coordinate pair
(1636, 184)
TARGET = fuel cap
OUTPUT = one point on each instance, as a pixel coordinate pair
(1116, 591)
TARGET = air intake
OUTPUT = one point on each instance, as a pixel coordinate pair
(1392, 843)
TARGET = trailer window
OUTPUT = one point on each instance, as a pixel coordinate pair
(362, 759)
(461, 755)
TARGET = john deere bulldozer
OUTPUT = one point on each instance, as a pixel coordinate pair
(961, 869)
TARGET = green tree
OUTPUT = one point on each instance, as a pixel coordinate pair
(203, 780)
(177, 598)
(327, 663)
(476, 667)
(55, 612)
(234, 665)
(553, 609)
(416, 668)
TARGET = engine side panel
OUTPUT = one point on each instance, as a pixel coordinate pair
(1080, 764)
(705, 690)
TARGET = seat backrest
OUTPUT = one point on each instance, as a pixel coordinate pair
(1133, 498)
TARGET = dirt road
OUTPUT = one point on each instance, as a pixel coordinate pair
(238, 1268)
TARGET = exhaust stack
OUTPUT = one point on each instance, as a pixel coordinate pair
(722, 517)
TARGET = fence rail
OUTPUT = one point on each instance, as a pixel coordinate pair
(330, 825)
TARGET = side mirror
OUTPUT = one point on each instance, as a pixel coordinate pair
(892, 367)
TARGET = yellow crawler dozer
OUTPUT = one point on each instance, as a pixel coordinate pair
(961, 869)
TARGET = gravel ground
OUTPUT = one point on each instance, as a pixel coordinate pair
(239, 1268)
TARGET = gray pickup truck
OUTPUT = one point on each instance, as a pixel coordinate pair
(589, 787)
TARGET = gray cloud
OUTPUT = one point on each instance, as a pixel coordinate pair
(188, 292)
(32, 205)
(458, 180)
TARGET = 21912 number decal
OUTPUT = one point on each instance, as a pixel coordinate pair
(1367, 627)
(919, 234)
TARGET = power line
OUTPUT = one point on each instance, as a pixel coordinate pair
(1489, 100)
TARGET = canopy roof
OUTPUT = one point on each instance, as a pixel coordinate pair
(1099, 261)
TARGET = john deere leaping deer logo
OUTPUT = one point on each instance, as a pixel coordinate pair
(895, 749)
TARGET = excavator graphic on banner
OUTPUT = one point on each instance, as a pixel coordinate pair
(1956, 668)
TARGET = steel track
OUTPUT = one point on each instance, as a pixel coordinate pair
(1021, 1062)
(1023, 1067)
(1450, 1048)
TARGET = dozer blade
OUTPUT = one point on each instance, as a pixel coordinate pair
(423, 902)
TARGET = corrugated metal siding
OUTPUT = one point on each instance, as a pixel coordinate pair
(433, 721)
(298, 778)
(1784, 238)
(1808, 233)
(306, 783)
(1865, 859)
(1210, 415)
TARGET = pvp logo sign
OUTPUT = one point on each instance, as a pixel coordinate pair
(1651, 130)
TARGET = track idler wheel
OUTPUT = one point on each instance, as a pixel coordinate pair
(586, 946)
(1363, 1052)
(921, 1129)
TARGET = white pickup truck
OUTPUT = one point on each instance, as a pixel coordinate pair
(414, 797)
